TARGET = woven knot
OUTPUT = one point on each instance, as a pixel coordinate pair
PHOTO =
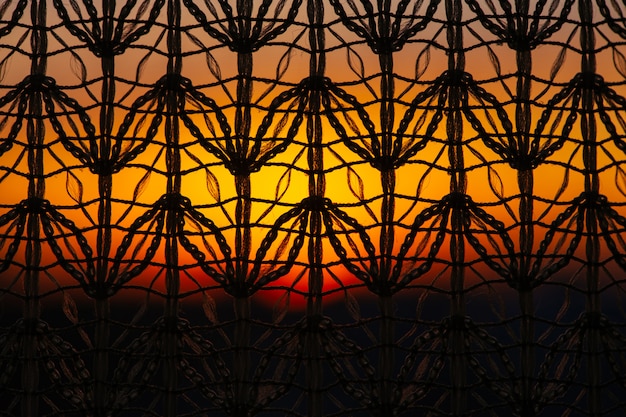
(381, 286)
(523, 162)
(174, 201)
(38, 82)
(238, 288)
(458, 322)
(385, 45)
(317, 323)
(316, 203)
(106, 48)
(457, 200)
(519, 41)
(31, 326)
(243, 45)
(103, 167)
(384, 163)
(316, 83)
(594, 319)
(172, 82)
(35, 205)
(593, 199)
(100, 290)
(239, 166)
(456, 78)
(589, 80)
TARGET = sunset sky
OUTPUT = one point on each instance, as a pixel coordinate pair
(352, 184)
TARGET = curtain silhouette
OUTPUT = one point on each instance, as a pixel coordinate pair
(312, 208)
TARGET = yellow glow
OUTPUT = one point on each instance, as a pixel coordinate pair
(283, 183)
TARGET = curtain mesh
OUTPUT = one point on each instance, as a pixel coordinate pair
(312, 208)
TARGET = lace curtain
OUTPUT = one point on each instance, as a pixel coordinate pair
(312, 208)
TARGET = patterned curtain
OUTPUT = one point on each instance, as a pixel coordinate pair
(312, 208)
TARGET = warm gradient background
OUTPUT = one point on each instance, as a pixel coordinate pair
(455, 225)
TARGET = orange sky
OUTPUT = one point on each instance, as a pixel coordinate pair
(274, 179)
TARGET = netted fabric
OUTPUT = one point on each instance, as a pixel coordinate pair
(312, 208)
